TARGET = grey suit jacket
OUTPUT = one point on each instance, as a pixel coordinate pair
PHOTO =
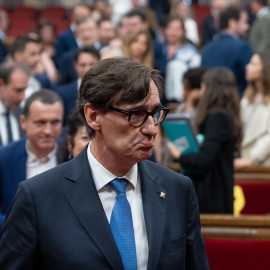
(259, 36)
(57, 222)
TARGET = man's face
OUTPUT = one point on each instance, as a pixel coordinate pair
(13, 93)
(87, 32)
(117, 140)
(43, 126)
(174, 32)
(80, 11)
(133, 24)
(84, 62)
(242, 24)
(106, 32)
(30, 56)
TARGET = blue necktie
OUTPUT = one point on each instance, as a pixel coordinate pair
(122, 225)
(8, 126)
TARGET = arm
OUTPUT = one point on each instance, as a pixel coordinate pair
(195, 249)
(18, 239)
(218, 130)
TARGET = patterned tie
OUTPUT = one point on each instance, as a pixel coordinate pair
(122, 225)
(8, 126)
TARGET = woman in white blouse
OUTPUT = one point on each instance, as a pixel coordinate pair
(255, 110)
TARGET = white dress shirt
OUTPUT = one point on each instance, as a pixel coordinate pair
(36, 165)
(14, 126)
(108, 196)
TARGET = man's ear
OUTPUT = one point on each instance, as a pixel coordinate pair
(23, 121)
(17, 56)
(91, 115)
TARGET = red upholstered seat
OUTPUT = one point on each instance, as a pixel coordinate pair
(257, 196)
(238, 254)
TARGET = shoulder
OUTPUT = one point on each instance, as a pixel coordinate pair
(17, 146)
(65, 33)
(48, 180)
(163, 175)
(219, 121)
(219, 116)
(62, 90)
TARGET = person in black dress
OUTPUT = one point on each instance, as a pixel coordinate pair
(218, 120)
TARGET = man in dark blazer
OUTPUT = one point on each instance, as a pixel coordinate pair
(66, 40)
(233, 24)
(13, 82)
(87, 33)
(83, 59)
(19, 160)
(65, 217)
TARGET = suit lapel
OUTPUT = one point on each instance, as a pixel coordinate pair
(154, 208)
(84, 201)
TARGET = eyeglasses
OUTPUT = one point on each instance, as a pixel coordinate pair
(138, 118)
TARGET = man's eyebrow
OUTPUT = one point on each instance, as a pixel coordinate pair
(143, 107)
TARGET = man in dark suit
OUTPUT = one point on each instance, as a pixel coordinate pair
(66, 40)
(13, 82)
(83, 60)
(4, 23)
(26, 50)
(108, 208)
(20, 160)
(228, 49)
(210, 25)
(87, 33)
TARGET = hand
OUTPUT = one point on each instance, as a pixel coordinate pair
(193, 99)
(240, 163)
(173, 150)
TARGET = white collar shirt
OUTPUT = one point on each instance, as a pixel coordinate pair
(36, 165)
(107, 196)
(14, 125)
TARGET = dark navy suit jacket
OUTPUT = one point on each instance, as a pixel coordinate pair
(69, 95)
(3, 51)
(67, 71)
(13, 159)
(66, 41)
(57, 222)
(231, 52)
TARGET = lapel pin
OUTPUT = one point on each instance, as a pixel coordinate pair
(162, 195)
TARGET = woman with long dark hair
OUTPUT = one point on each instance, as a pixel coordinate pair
(255, 112)
(218, 120)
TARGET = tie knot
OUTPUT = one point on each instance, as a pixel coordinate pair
(119, 185)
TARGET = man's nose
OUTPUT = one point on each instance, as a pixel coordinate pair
(47, 128)
(149, 126)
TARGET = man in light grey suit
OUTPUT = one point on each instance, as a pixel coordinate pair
(259, 37)
(13, 82)
(67, 217)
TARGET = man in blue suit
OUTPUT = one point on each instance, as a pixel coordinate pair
(66, 40)
(67, 217)
(228, 49)
(87, 33)
(83, 60)
(20, 160)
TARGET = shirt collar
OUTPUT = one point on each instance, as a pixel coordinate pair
(263, 11)
(31, 157)
(2, 108)
(102, 176)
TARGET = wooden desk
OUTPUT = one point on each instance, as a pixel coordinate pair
(252, 227)
(251, 174)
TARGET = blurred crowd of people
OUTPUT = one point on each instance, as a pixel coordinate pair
(219, 74)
